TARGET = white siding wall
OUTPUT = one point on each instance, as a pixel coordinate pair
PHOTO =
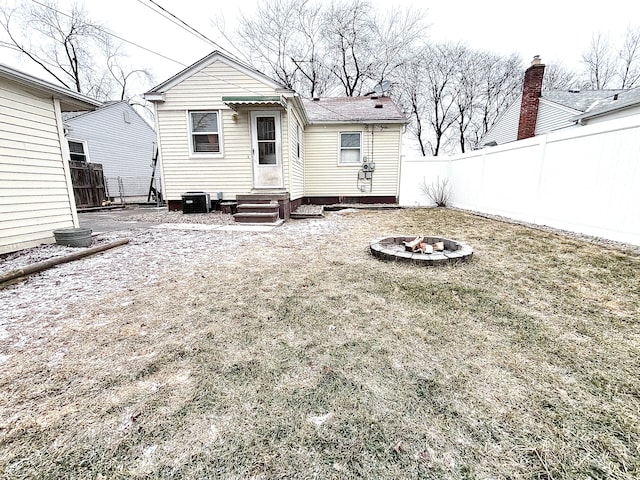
(34, 193)
(506, 128)
(552, 116)
(231, 174)
(324, 177)
(296, 165)
(124, 149)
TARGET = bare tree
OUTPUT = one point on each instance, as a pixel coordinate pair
(121, 74)
(599, 62)
(629, 59)
(308, 52)
(347, 30)
(269, 35)
(316, 48)
(409, 92)
(488, 83)
(558, 77)
(73, 49)
(443, 89)
(396, 35)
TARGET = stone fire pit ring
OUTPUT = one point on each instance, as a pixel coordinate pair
(393, 248)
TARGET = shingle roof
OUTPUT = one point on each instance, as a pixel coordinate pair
(353, 110)
(624, 99)
(581, 100)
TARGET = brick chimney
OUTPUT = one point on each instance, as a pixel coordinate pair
(531, 92)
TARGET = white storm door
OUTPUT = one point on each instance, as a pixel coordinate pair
(267, 149)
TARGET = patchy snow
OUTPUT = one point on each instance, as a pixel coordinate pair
(55, 295)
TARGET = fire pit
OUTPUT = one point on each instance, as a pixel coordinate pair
(428, 251)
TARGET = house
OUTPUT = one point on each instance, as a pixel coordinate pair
(119, 139)
(230, 131)
(36, 195)
(537, 112)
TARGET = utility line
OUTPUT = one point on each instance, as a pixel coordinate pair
(178, 21)
(113, 35)
(185, 26)
(184, 65)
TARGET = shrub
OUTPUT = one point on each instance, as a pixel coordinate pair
(438, 192)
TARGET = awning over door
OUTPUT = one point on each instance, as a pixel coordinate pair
(255, 101)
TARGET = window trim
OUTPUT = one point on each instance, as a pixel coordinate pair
(194, 154)
(340, 148)
(85, 149)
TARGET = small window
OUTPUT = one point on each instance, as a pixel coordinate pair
(77, 152)
(350, 147)
(205, 132)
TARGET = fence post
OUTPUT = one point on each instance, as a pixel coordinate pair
(543, 154)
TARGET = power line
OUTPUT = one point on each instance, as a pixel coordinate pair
(113, 35)
(184, 65)
(178, 21)
(184, 25)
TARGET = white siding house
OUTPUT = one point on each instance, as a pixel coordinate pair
(36, 195)
(225, 128)
(119, 139)
(207, 119)
(333, 168)
(556, 110)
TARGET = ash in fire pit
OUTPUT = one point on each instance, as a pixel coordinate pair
(419, 250)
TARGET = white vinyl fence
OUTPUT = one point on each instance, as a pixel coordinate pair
(584, 179)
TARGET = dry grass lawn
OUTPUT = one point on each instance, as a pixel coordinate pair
(304, 357)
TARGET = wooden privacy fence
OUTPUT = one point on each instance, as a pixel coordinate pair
(88, 184)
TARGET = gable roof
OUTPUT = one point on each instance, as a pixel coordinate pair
(68, 98)
(71, 116)
(156, 92)
(353, 110)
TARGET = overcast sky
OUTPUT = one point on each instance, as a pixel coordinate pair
(556, 30)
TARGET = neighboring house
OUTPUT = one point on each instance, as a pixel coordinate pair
(119, 139)
(230, 131)
(36, 196)
(537, 112)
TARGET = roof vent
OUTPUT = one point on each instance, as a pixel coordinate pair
(378, 105)
(615, 97)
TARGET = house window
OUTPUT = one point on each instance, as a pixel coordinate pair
(205, 132)
(350, 147)
(77, 152)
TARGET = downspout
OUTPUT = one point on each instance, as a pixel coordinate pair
(400, 132)
(66, 157)
(159, 161)
(373, 129)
